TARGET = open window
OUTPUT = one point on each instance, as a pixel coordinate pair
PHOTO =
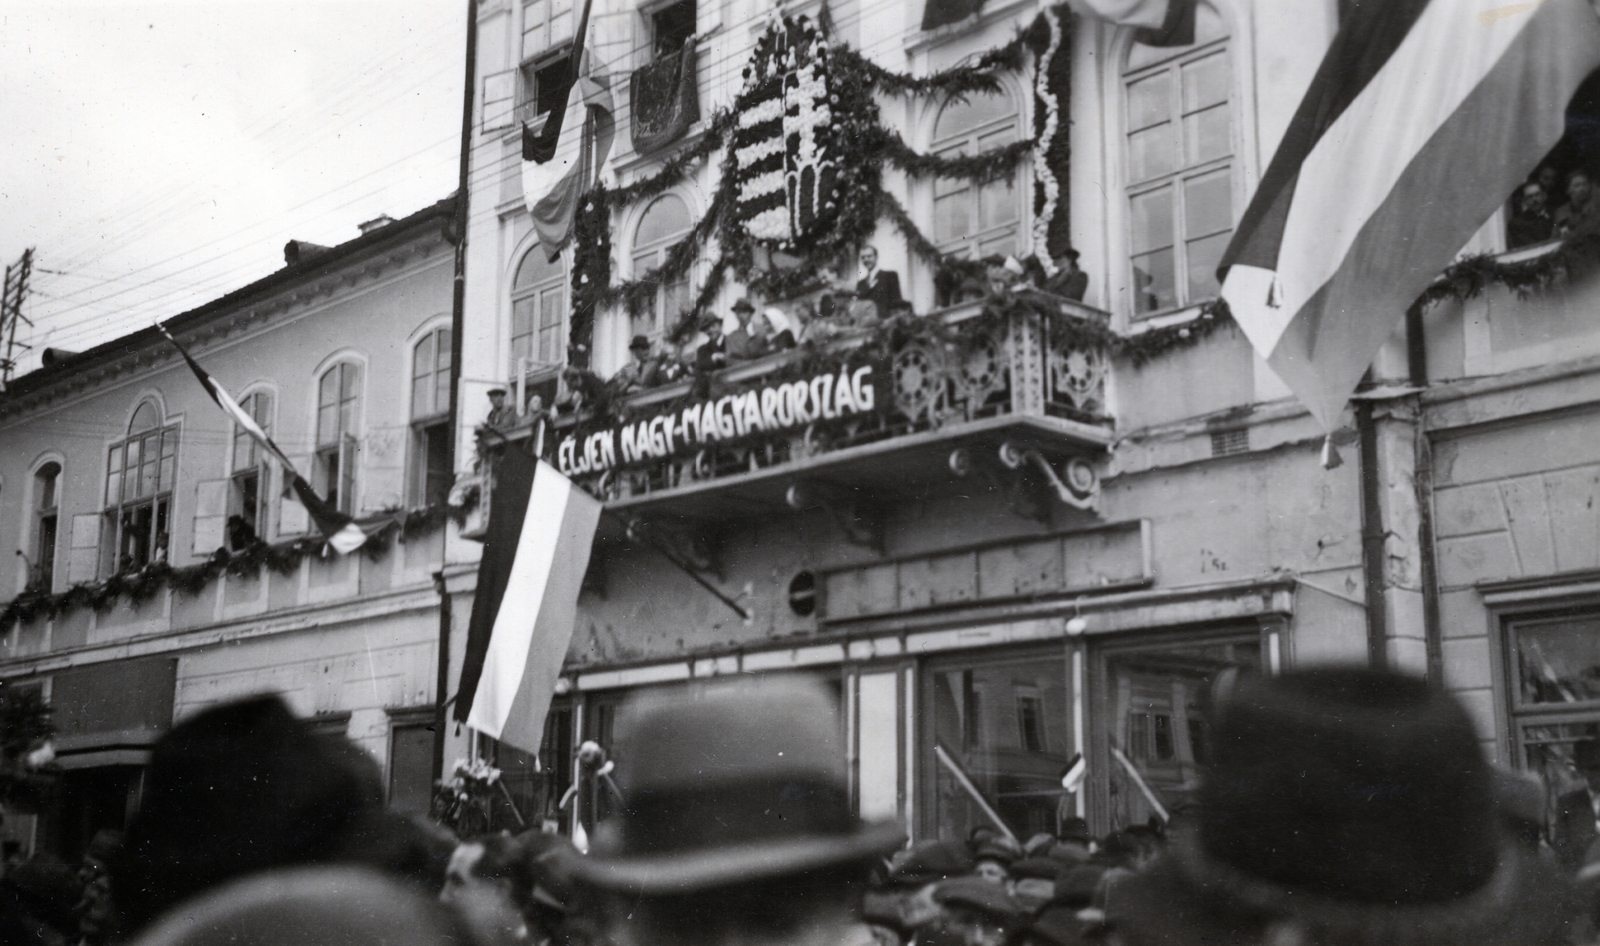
(670, 27)
(249, 484)
(140, 469)
(429, 479)
(338, 419)
(46, 526)
(547, 27)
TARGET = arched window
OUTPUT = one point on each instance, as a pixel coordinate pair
(46, 523)
(338, 423)
(140, 470)
(538, 313)
(429, 479)
(249, 482)
(975, 220)
(664, 223)
(1180, 168)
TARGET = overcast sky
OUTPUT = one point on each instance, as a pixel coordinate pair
(158, 155)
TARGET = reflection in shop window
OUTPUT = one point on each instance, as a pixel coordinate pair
(1556, 697)
(1158, 698)
(534, 787)
(1006, 722)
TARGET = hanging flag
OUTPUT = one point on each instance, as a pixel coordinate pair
(541, 528)
(1160, 22)
(552, 188)
(344, 535)
(1421, 119)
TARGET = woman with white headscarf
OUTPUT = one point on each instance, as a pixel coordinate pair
(780, 331)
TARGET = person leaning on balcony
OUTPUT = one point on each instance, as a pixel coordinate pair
(713, 352)
(644, 371)
(502, 416)
(1069, 280)
(1581, 215)
(881, 287)
(1530, 220)
(746, 342)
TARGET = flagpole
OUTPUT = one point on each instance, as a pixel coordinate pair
(971, 789)
(682, 566)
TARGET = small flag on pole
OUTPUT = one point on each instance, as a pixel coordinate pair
(344, 535)
(541, 528)
(1421, 119)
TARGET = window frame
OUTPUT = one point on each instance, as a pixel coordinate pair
(115, 557)
(41, 576)
(643, 258)
(409, 720)
(536, 293)
(973, 140)
(336, 461)
(1231, 163)
(428, 428)
(652, 14)
(1509, 613)
(256, 467)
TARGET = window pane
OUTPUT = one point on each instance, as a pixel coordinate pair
(263, 410)
(997, 204)
(1205, 82)
(1206, 135)
(1150, 101)
(1153, 282)
(1204, 255)
(328, 389)
(959, 118)
(535, 269)
(442, 344)
(1150, 153)
(441, 392)
(1007, 724)
(552, 306)
(1559, 661)
(1158, 720)
(422, 357)
(1004, 244)
(350, 381)
(347, 417)
(952, 216)
(327, 424)
(1151, 222)
(144, 418)
(1208, 203)
(667, 218)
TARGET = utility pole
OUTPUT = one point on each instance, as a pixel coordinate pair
(15, 290)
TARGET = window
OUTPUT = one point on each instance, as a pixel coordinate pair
(411, 762)
(1006, 721)
(1554, 665)
(1156, 698)
(664, 223)
(430, 419)
(538, 313)
(1179, 141)
(46, 526)
(542, 82)
(970, 219)
(338, 405)
(535, 787)
(249, 484)
(544, 24)
(671, 27)
(547, 25)
(138, 497)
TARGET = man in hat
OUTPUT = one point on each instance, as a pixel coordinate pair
(644, 371)
(744, 342)
(502, 416)
(881, 287)
(1343, 805)
(1069, 280)
(736, 828)
(713, 352)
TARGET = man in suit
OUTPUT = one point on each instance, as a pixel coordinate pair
(1578, 811)
(881, 287)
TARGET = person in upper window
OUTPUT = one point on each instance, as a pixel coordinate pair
(745, 342)
(502, 416)
(644, 371)
(881, 287)
(1530, 221)
(1581, 215)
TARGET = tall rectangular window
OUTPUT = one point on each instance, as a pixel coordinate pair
(138, 499)
(46, 520)
(429, 479)
(249, 483)
(338, 417)
(538, 313)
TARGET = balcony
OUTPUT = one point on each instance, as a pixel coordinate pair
(665, 100)
(922, 405)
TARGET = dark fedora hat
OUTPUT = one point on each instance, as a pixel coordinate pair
(639, 341)
(747, 783)
(743, 305)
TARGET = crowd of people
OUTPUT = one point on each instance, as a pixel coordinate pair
(1550, 205)
(1338, 807)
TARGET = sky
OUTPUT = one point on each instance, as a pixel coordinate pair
(159, 155)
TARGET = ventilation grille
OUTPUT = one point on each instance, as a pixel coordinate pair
(1226, 443)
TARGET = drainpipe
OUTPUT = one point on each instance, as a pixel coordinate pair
(1372, 551)
(1428, 562)
(458, 305)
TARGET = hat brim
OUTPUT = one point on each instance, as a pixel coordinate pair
(707, 869)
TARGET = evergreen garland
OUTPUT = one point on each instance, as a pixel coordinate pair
(282, 558)
(591, 271)
(1468, 278)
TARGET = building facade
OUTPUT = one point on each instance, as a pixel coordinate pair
(162, 564)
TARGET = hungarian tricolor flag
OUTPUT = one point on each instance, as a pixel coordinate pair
(540, 531)
(343, 533)
(1421, 120)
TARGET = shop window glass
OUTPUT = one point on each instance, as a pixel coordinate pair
(1007, 722)
(1158, 698)
(1555, 699)
(535, 786)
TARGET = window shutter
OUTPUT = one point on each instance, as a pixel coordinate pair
(292, 517)
(85, 548)
(210, 516)
(499, 100)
